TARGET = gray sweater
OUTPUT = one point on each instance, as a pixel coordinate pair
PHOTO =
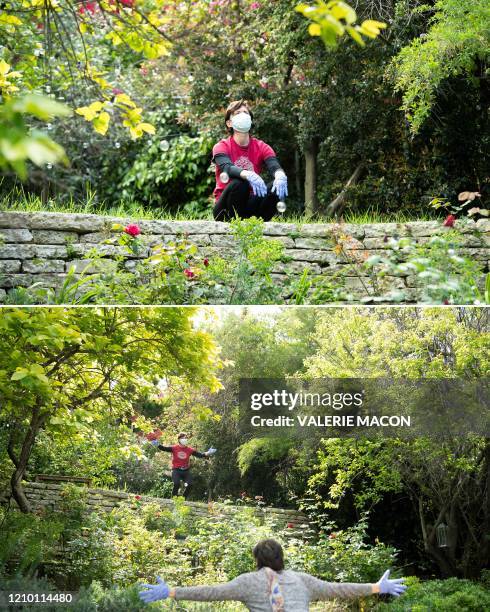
(297, 588)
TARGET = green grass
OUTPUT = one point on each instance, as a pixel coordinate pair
(26, 202)
(19, 200)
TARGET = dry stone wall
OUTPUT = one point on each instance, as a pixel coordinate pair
(49, 495)
(42, 247)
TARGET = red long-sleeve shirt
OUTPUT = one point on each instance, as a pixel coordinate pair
(181, 455)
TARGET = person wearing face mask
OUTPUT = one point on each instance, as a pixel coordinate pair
(239, 159)
(272, 588)
(181, 454)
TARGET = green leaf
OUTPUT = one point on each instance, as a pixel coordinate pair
(41, 107)
(19, 374)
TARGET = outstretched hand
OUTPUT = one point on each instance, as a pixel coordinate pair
(154, 442)
(155, 591)
(210, 451)
(393, 587)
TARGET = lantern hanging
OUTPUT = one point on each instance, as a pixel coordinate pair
(441, 534)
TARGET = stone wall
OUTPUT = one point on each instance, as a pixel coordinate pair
(42, 247)
(48, 495)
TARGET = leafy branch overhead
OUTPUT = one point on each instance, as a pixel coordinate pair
(75, 35)
(331, 20)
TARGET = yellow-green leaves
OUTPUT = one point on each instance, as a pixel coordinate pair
(42, 107)
(8, 23)
(333, 19)
(101, 122)
(141, 35)
(6, 84)
(18, 143)
(90, 112)
(97, 113)
(35, 371)
(371, 28)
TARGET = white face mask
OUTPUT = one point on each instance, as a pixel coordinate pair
(183, 441)
(241, 122)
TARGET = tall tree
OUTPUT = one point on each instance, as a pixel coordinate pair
(446, 480)
(62, 369)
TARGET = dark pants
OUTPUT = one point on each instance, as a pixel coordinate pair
(179, 475)
(237, 201)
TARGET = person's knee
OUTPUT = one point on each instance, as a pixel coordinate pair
(238, 183)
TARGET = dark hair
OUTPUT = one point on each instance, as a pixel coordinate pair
(234, 106)
(182, 434)
(268, 553)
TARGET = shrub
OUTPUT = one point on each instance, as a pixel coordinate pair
(96, 598)
(441, 275)
(28, 540)
(142, 476)
(343, 555)
(451, 595)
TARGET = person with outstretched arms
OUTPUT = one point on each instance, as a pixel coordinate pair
(181, 454)
(239, 159)
(273, 588)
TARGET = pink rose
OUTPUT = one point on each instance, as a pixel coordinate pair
(449, 221)
(132, 229)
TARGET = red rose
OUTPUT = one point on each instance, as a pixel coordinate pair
(290, 525)
(449, 221)
(133, 230)
(127, 2)
(206, 262)
(189, 273)
(137, 497)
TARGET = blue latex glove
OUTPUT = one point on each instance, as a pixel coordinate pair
(280, 185)
(155, 591)
(210, 451)
(393, 587)
(258, 186)
(154, 442)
